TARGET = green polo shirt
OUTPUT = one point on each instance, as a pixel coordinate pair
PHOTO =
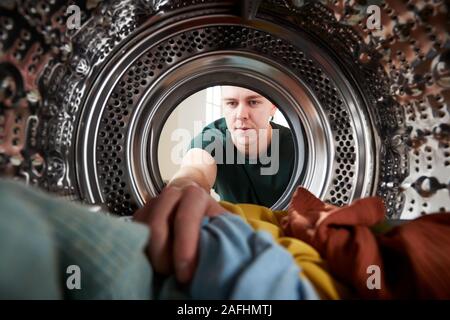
(238, 179)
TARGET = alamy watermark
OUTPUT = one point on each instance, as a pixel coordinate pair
(373, 22)
(374, 19)
(374, 280)
(74, 279)
(74, 17)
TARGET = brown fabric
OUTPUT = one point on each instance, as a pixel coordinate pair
(414, 258)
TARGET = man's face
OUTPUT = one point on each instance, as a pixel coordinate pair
(246, 112)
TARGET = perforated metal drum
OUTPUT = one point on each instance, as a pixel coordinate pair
(82, 110)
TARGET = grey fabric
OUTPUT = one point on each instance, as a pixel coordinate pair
(41, 238)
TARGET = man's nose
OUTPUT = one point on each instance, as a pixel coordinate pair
(242, 111)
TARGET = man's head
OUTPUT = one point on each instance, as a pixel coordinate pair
(246, 114)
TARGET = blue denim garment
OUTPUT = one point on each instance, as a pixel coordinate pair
(238, 263)
(41, 237)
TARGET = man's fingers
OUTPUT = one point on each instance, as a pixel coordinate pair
(214, 208)
(174, 218)
(141, 215)
(190, 212)
(159, 221)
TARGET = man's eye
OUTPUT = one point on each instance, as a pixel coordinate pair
(231, 103)
(254, 102)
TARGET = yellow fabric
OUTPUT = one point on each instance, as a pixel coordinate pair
(309, 260)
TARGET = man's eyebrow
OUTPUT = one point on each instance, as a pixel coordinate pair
(256, 96)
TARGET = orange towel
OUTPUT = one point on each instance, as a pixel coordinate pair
(414, 258)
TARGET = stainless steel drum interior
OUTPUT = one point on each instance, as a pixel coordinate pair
(81, 111)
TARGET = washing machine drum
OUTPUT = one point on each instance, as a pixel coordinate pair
(365, 90)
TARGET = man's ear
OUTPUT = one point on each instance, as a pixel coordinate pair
(273, 110)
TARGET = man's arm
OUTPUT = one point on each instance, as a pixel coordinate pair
(198, 166)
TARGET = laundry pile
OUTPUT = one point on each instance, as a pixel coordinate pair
(311, 251)
(413, 258)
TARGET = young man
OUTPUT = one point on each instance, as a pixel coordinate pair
(244, 156)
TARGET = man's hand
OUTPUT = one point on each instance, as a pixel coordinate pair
(174, 218)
